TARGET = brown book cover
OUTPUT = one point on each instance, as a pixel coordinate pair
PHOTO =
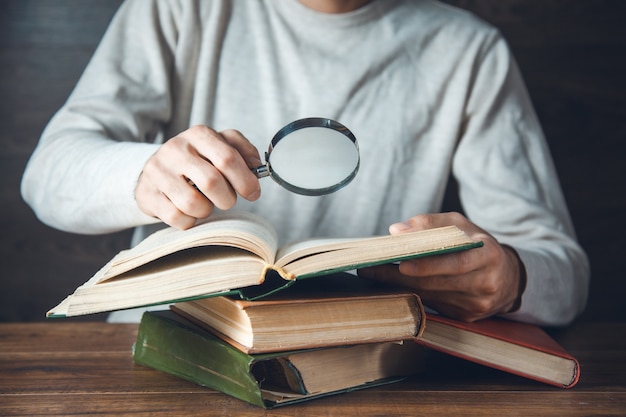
(518, 348)
(334, 310)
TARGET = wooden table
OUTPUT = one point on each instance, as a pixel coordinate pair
(81, 368)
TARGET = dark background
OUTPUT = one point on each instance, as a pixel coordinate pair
(571, 52)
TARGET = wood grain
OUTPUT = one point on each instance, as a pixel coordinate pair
(63, 368)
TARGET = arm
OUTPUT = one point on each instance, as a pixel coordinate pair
(508, 184)
(83, 172)
(531, 267)
(99, 166)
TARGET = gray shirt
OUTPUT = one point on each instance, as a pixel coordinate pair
(429, 91)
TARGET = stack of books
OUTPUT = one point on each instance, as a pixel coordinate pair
(277, 326)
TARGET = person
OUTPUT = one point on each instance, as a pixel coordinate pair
(184, 94)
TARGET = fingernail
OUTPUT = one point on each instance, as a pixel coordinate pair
(255, 162)
(400, 227)
(254, 196)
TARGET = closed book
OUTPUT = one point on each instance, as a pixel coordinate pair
(333, 310)
(357, 312)
(172, 344)
(518, 348)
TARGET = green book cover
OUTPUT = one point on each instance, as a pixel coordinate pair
(171, 344)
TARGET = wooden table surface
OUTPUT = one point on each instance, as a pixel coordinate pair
(81, 368)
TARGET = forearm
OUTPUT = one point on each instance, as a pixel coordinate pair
(82, 175)
(87, 185)
(509, 186)
(557, 281)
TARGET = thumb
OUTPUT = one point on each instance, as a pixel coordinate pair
(401, 227)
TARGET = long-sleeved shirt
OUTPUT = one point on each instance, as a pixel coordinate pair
(428, 90)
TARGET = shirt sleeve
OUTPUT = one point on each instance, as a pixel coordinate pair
(508, 185)
(83, 172)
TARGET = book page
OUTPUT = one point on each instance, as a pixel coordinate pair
(235, 229)
(295, 250)
(342, 254)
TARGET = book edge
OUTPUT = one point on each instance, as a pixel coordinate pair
(561, 353)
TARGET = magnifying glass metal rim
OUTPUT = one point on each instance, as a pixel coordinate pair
(266, 170)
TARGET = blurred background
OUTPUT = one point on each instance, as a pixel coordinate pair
(572, 54)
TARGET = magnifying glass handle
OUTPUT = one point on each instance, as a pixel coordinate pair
(261, 171)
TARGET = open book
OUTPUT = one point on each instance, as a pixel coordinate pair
(233, 250)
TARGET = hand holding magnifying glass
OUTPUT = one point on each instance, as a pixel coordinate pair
(312, 156)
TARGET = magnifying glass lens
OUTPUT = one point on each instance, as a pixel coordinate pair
(312, 156)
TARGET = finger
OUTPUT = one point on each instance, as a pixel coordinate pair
(173, 216)
(460, 305)
(447, 295)
(168, 212)
(163, 175)
(190, 200)
(247, 150)
(430, 221)
(207, 183)
(451, 264)
(387, 273)
(448, 305)
(445, 266)
(438, 293)
(230, 165)
(391, 274)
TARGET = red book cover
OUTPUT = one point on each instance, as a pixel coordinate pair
(517, 348)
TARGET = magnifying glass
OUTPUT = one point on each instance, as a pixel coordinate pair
(312, 156)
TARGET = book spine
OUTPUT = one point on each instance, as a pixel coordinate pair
(166, 345)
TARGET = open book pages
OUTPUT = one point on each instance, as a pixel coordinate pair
(235, 229)
(235, 250)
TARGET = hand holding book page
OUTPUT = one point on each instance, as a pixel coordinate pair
(233, 250)
(468, 286)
